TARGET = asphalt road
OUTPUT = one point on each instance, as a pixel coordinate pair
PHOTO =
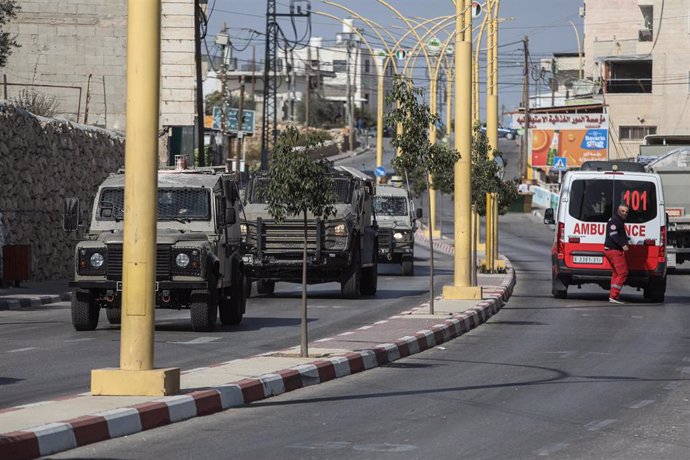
(572, 378)
(42, 357)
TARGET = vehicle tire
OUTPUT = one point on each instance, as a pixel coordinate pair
(203, 304)
(232, 303)
(510, 136)
(114, 315)
(407, 267)
(350, 286)
(558, 289)
(267, 287)
(247, 287)
(370, 279)
(85, 311)
(656, 291)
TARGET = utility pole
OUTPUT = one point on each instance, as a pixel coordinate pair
(269, 131)
(353, 91)
(524, 145)
(348, 105)
(308, 92)
(199, 83)
(222, 41)
(253, 95)
(554, 81)
(240, 131)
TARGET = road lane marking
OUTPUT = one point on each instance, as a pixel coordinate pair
(381, 322)
(85, 339)
(347, 333)
(19, 350)
(198, 340)
(364, 328)
(599, 424)
(323, 340)
(552, 449)
(672, 385)
(641, 404)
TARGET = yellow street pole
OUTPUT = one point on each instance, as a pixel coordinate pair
(136, 375)
(462, 287)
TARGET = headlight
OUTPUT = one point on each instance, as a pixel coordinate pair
(398, 236)
(97, 260)
(340, 230)
(243, 229)
(182, 260)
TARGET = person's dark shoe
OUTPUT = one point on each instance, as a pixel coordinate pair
(616, 301)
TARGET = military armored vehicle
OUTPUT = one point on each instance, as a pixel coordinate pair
(397, 221)
(198, 250)
(342, 248)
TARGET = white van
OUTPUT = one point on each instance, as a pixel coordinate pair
(587, 201)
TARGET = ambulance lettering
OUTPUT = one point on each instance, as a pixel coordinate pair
(584, 228)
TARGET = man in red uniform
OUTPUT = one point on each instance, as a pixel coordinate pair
(616, 245)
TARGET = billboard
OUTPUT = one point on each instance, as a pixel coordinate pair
(575, 137)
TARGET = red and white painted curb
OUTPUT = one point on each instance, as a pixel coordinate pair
(69, 434)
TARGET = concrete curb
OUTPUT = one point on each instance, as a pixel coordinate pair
(439, 244)
(69, 434)
(16, 303)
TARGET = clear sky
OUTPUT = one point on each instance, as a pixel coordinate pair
(545, 22)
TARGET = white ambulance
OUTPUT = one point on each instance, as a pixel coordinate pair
(588, 199)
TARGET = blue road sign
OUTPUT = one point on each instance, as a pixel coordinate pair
(380, 171)
(560, 164)
(231, 119)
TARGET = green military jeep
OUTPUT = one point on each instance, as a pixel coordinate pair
(198, 250)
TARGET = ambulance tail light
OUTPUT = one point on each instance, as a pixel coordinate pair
(662, 245)
(573, 239)
(560, 245)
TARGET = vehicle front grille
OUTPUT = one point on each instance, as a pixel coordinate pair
(286, 237)
(114, 262)
(385, 238)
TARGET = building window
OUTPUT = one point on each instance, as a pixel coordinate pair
(339, 65)
(366, 66)
(629, 76)
(635, 133)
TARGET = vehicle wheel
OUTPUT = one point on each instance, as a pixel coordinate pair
(265, 287)
(232, 304)
(351, 284)
(247, 287)
(656, 291)
(85, 312)
(510, 136)
(203, 304)
(370, 279)
(407, 267)
(114, 315)
(558, 289)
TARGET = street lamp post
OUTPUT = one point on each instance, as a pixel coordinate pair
(462, 287)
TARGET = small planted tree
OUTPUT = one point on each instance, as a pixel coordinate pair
(299, 186)
(435, 161)
(486, 176)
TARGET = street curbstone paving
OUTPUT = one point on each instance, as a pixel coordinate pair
(16, 303)
(56, 437)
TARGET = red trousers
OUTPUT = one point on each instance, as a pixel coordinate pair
(619, 271)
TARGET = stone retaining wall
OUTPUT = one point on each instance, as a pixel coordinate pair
(42, 162)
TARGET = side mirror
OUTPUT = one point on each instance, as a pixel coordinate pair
(70, 218)
(549, 217)
(230, 190)
(419, 213)
(230, 216)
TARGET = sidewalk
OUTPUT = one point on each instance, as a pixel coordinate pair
(34, 294)
(48, 427)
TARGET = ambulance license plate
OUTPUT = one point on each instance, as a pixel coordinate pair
(588, 259)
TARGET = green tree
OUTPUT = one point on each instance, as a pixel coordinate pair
(418, 155)
(8, 11)
(299, 186)
(487, 176)
(215, 99)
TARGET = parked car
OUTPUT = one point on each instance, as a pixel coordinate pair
(503, 133)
